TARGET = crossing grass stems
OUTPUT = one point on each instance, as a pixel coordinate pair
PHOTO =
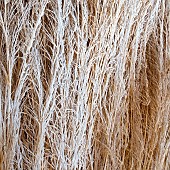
(85, 84)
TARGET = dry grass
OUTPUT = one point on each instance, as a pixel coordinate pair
(85, 84)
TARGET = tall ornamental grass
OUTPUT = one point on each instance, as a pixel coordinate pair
(84, 84)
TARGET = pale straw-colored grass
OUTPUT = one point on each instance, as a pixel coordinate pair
(85, 84)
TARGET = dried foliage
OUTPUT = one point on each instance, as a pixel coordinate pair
(85, 84)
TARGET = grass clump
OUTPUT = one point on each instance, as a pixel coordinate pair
(84, 84)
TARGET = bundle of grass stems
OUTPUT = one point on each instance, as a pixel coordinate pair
(84, 84)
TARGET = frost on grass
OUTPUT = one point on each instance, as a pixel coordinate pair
(84, 84)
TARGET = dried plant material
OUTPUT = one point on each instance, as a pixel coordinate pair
(84, 84)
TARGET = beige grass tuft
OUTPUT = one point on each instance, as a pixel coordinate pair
(85, 84)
